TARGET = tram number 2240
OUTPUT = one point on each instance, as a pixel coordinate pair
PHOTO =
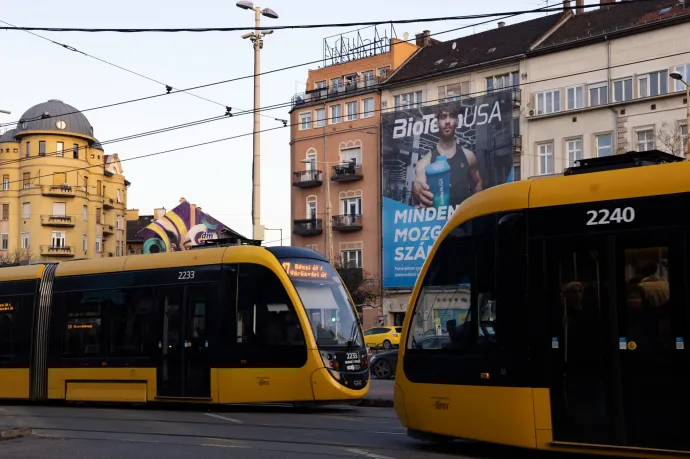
(606, 216)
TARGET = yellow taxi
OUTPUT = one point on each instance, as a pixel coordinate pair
(386, 337)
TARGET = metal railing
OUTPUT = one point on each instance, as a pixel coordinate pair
(309, 227)
(57, 220)
(344, 88)
(307, 178)
(347, 222)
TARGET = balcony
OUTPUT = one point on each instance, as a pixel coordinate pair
(347, 172)
(108, 230)
(307, 179)
(57, 251)
(60, 191)
(108, 203)
(345, 88)
(347, 223)
(57, 220)
(517, 144)
(311, 227)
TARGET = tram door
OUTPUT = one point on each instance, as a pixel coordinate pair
(184, 368)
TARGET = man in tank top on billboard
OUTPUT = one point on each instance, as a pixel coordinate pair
(448, 174)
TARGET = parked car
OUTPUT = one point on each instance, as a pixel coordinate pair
(383, 365)
(386, 337)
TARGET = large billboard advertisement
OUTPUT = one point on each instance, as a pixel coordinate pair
(433, 158)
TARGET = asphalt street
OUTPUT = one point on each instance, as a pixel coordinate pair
(120, 432)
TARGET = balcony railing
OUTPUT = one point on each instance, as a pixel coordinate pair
(57, 251)
(64, 190)
(347, 172)
(347, 223)
(346, 87)
(108, 203)
(307, 179)
(108, 230)
(57, 220)
(311, 227)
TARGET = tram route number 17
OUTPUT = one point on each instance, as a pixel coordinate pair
(606, 216)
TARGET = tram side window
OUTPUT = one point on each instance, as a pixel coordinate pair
(9, 329)
(265, 314)
(83, 335)
(128, 316)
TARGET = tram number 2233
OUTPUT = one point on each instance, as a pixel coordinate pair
(185, 275)
(606, 216)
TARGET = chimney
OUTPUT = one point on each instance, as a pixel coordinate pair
(423, 39)
(501, 24)
(566, 5)
(578, 6)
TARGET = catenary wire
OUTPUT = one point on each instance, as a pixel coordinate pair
(71, 48)
(306, 26)
(140, 99)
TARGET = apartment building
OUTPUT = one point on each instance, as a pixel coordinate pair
(478, 78)
(61, 197)
(601, 84)
(334, 148)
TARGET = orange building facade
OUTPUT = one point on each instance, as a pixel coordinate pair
(335, 163)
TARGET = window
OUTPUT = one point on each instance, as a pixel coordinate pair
(59, 178)
(451, 92)
(352, 206)
(311, 157)
(368, 107)
(58, 239)
(645, 140)
(26, 243)
(5, 182)
(685, 71)
(408, 100)
(267, 328)
(99, 245)
(42, 148)
(352, 111)
(320, 117)
(305, 120)
(350, 154)
(27, 180)
(311, 208)
(98, 216)
(118, 195)
(598, 94)
(117, 250)
(320, 84)
(549, 102)
(575, 97)
(28, 149)
(100, 190)
(623, 90)
(336, 83)
(336, 113)
(546, 158)
(5, 211)
(75, 151)
(26, 210)
(85, 212)
(84, 242)
(517, 168)
(129, 318)
(10, 333)
(574, 150)
(59, 209)
(117, 222)
(83, 325)
(60, 150)
(653, 84)
(5, 241)
(383, 71)
(604, 145)
(368, 77)
(501, 82)
(351, 258)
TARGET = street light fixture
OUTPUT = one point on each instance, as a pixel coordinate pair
(679, 77)
(329, 223)
(257, 39)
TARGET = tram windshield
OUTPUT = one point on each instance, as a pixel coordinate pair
(331, 313)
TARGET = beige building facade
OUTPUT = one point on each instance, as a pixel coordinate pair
(62, 197)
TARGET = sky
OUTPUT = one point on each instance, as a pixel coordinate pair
(216, 177)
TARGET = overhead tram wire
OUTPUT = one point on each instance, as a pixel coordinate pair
(140, 99)
(305, 26)
(228, 108)
(288, 104)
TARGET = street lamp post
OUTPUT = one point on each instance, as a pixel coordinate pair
(329, 223)
(678, 76)
(257, 39)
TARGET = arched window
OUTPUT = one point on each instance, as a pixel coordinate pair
(351, 202)
(311, 211)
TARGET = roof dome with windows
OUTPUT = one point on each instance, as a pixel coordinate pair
(54, 115)
(8, 136)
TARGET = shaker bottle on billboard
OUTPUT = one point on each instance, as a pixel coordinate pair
(438, 178)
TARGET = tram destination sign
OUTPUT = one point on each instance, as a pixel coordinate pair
(6, 307)
(305, 270)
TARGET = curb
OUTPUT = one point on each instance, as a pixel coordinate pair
(14, 433)
(376, 403)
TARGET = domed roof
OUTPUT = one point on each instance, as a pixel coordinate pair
(97, 145)
(54, 115)
(8, 136)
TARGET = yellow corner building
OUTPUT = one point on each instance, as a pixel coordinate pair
(61, 197)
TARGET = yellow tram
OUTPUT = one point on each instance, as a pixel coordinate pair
(240, 324)
(552, 314)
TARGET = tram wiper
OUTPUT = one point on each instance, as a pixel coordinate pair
(352, 336)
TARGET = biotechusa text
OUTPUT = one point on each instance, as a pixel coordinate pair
(477, 115)
(423, 236)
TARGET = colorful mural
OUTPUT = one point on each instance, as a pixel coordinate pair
(181, 228)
